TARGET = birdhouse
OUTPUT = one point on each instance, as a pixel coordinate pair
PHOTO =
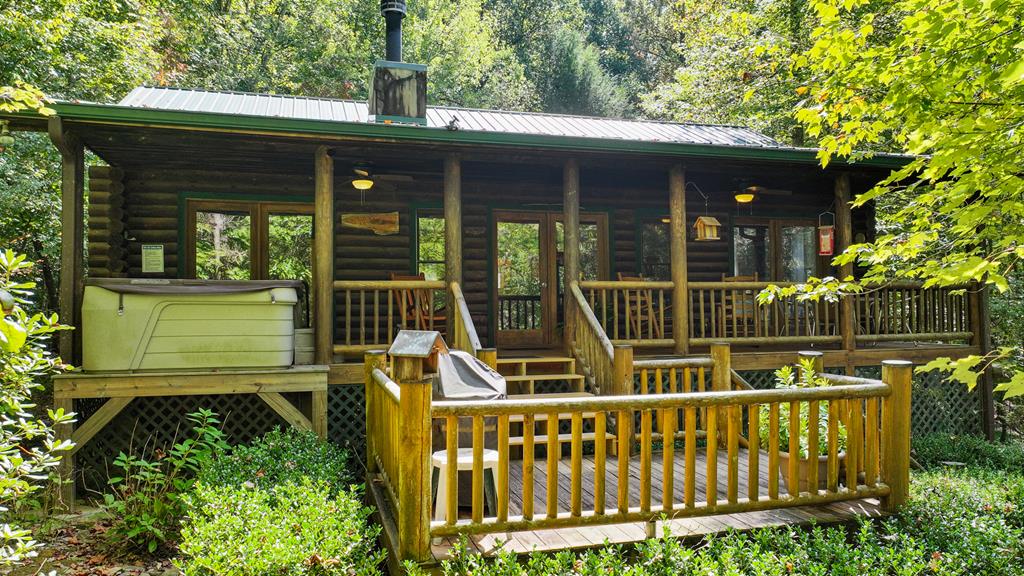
(706, 228)
(426, 344)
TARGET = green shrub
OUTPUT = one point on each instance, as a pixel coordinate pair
(932, 450)
(288, 529)
(145, 499)
(278, 457)
(786, 377)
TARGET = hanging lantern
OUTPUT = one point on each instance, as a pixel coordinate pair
(826, 234)
(706, 228)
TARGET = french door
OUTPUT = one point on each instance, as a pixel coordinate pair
(528, 273)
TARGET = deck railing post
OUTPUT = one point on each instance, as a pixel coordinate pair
(372, 360)
(488, 356)
(898, 375)
(622, 385)
(414, 459)
(721, 375)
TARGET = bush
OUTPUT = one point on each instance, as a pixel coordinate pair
(932, 450)
(278, 457)
(288, 529)
(145, 500)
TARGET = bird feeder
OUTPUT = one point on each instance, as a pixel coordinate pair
(706, 228)
(826, 234)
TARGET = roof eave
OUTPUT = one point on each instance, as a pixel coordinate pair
(176, 119)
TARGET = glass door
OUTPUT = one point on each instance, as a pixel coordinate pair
(521, 282)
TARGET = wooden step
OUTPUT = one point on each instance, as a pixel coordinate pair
(543, 377)
(525, 365)
(535, 360)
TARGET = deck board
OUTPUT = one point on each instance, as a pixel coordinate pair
(695, 527)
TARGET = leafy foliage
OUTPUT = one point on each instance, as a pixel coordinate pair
(288, 529)
(933, 450)
(786, 377)
(145, 500)
(945, 87)
(28, 447)
(278, 457)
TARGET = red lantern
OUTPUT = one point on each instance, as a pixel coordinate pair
(826, 235)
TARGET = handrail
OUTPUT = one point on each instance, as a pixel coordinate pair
(667, 363)
(465, 337)
(739, 381)
(632, 312)
(591, 320)
(388, 284)
(626, 284)
(656, 401)
(387, 384)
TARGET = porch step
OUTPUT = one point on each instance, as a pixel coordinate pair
(523, 365)
(543, 377)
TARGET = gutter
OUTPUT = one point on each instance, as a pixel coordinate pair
(91, 113)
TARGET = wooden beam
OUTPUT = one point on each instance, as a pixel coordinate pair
(286, 410)
(323, 257)
(452, 230)
(97, 421)
(844, 237)
(571, 217)
(72, 215)
(677, 215)
(131, 384)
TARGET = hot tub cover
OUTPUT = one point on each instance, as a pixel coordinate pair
(461, 376)
(168, 286)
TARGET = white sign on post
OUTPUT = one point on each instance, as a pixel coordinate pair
(152, 258)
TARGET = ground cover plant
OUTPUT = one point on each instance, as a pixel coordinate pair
(281, 505)
(961, 519)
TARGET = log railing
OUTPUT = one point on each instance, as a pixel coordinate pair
(870, 417)
(729, 312)
(637, 313)
(464, 336)
(607, 367)
(519, 312)
(908, 311)
(370, 312)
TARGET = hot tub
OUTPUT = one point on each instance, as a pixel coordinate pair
(143, 324)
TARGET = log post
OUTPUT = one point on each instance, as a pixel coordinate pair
(571, 216)
(323, 257)
(982, 339)
(414, 459)
(66, 468)
(372, 360)
(898, 374)
(817, 357)
(72, 226)
(677, 218)
(721, 379)
(488, 356)
(622, 372)
(452, 231)
(844, 238)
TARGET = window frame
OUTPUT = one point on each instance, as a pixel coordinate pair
(427, 212)
(775, 226)
(259, 225)
(641, 264)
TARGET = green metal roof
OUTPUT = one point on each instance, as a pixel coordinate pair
(327, 118)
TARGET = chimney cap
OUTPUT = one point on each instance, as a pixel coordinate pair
(392, 6)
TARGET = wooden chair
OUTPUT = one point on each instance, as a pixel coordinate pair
(738, 315)
(641, 310)
(416, 306)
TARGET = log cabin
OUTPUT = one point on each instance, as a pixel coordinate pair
(580, 257)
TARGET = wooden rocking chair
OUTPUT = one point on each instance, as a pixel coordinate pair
(416, 306)
(641, 310)
(738, 310)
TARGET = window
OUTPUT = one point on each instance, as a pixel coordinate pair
(655, 250)
(235, 240)
(780, 250)
(430, 245)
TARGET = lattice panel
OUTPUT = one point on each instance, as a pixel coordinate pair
(156, 422)
(346, 417)
(944, 407)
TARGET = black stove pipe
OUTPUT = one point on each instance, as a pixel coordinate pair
(393, 12)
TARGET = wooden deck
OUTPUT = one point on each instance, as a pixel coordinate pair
(593, 536)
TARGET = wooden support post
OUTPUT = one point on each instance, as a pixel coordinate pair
(680, 290)
(488, 356)
(898, 374)
(323, 257)
(372, 360)
(721, 377)
(414, 461)
(622, 372)
(983, 340)
(571, 216)
(452, 230)
(844, 237)
(318, 412)
(817, 357)
(72, 226)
